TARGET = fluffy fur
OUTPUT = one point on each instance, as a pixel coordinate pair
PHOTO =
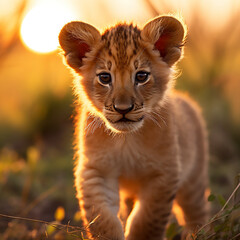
(138, 142)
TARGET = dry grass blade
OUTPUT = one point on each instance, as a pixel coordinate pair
(55, 225)
(59, 226)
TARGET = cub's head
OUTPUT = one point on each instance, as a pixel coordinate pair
(125, 72)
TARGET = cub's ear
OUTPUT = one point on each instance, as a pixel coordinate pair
(167, 34)
(76, 39)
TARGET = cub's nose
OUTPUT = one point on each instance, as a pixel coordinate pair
(123, 108)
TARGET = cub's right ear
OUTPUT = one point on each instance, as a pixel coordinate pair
(76, 39)
(167, 35)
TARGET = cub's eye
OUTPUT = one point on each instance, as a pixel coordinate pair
(141, 77)
(104, 78)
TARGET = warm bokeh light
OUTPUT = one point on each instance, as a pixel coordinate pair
(42, 24)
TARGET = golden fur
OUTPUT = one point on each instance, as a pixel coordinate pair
(136, 137)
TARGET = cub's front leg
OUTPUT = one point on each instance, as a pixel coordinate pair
(151, 213)
(99, 202)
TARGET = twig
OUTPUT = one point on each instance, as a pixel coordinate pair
(235, 236)
(151, 8)
(211, 235)
(230, 197)
(38, 200)
(15, 35)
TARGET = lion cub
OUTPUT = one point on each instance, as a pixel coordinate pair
(136, 137)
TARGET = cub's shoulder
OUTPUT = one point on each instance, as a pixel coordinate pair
(183, 102)
(186, 111)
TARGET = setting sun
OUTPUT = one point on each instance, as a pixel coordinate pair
(42, 24)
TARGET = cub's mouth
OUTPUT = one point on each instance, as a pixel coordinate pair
(125, 124)
(126, 120)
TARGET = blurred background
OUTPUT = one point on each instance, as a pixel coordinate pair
(36, 101)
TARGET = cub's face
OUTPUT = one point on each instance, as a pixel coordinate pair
(125, 86)
(125, 72)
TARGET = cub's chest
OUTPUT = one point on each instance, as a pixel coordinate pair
(131, 155)
(123, 156)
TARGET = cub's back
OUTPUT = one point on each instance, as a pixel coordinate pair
(191, 132)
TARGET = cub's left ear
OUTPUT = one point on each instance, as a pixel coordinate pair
(76, 39)
(167, 34)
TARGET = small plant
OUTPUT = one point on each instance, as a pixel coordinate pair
(225, 225)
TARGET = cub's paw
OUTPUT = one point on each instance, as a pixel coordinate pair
(110, 229)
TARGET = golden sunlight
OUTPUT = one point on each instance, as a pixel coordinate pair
(177, 211)
(42, 24)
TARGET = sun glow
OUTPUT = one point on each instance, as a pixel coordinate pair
(42, 24)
